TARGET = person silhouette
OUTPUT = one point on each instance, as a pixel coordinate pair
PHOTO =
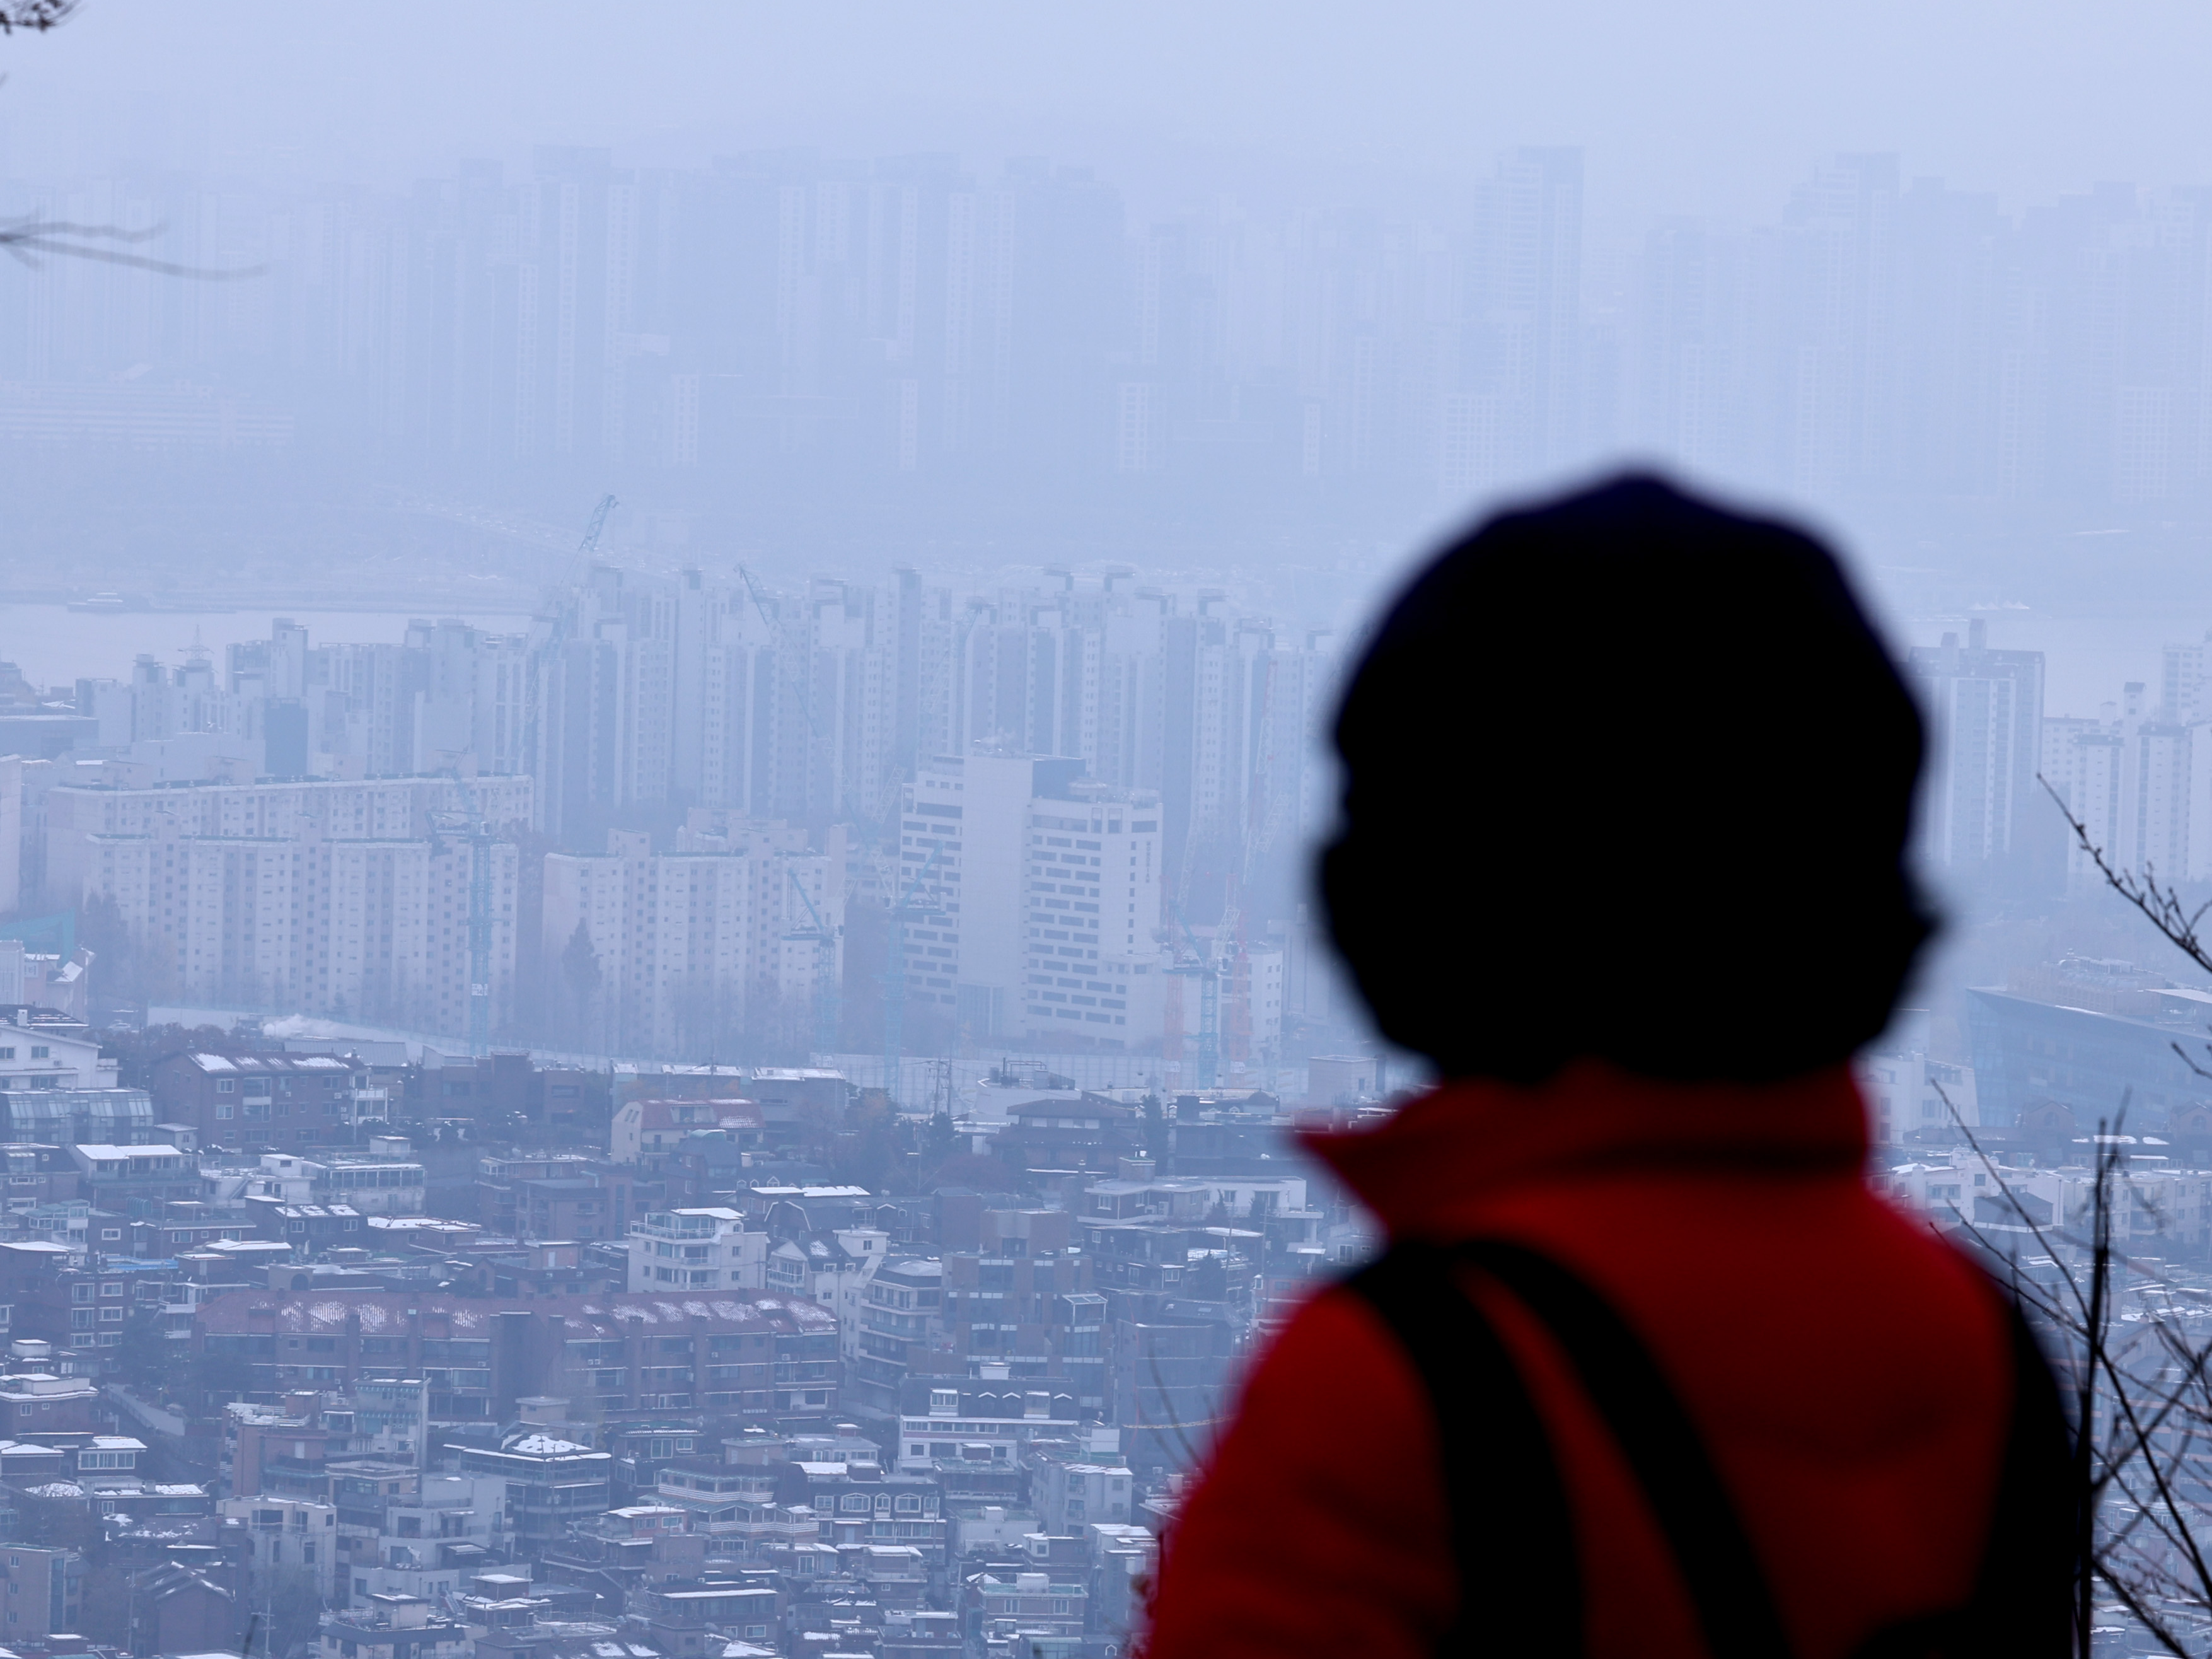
(1647, 1368)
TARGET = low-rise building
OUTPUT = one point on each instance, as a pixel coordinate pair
(45, 1596)
(131, 1179)
(288, 1535)
(391, 1627)
(252, 1100)
(1011, 1613)
(699, 1249)
(643, 1129)
(989, 1420)
(548, 1483)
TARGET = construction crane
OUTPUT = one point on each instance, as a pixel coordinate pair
(825, 974)
(1202, 968)
(590, 545)
(557, 635)
(895, 973)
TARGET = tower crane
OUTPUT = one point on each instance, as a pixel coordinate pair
(557, 635)
(825, 974)
(1202, 968)
(590, 543)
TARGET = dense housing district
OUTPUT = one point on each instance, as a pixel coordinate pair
(372, 1356)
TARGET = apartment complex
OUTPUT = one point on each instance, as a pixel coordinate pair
(739, 919)
(322, 897)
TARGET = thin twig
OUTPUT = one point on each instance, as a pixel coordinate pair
(2161, 906)
(35, 17)
(25, 240)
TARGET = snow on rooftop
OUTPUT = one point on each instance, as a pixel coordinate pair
(213, 1062)
(545, 1446)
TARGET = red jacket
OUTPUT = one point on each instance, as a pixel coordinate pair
(1850, 1372)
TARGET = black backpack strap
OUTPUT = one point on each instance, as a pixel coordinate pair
(1512, 1533)
(1728, 1587)
(1516, 1557)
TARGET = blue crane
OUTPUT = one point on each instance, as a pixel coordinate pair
(557, 635)
(1208, 973)
(825, 975)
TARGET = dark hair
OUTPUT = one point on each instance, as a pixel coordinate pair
(1630, 776)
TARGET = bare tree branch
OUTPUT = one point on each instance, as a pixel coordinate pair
(25, 239)
(35, 17)
(2161, 905)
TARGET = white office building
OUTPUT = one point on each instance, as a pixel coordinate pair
(1028, 900)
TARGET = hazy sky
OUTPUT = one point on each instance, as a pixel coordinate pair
(1697, 105)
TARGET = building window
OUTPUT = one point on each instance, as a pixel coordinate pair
(226, 1086)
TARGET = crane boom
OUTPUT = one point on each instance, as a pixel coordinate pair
(590, 543)
(557, 635)
(825, 983)
(1208, 974)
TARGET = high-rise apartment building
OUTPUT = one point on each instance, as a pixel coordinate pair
(736, 932)
(351, 898)
(1029, 899)
(1981, 807)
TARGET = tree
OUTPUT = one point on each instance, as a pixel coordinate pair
(210, 1381)
(153, 1363)
(580, 968)
(2142, 1387)
(100, 927)
(35, 17)
(1209, 1280)
(137, 1052)
(868, 1153)
(293, 1607)
(969, 1169)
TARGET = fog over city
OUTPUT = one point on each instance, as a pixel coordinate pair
(665, 678)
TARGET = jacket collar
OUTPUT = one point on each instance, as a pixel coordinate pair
(1441, 1158)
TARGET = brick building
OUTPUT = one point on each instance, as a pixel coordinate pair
(33, 1404)
(743, 1355)
(255, 1101)
(45, 1587)
(79, 1309)
(1091, 1133)
(554, 1196)
(487, 1091)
